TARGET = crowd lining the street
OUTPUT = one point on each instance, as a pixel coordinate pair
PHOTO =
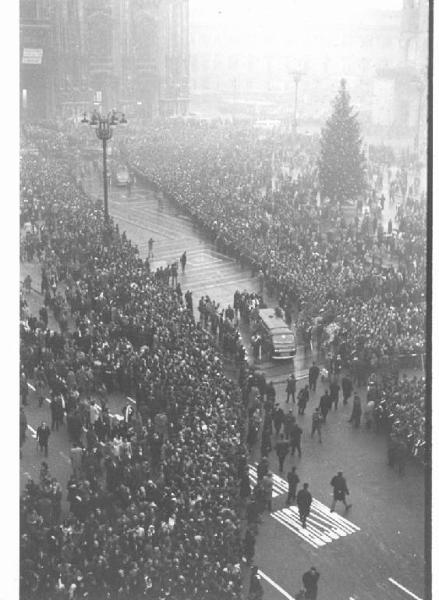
(356, 287)
(165, 520)
(156, 497)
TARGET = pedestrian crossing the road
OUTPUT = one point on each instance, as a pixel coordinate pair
(322, 525)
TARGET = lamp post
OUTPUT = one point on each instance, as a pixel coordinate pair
(297, 76)
(104, 126)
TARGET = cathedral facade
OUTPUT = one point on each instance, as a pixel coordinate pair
(132, 55)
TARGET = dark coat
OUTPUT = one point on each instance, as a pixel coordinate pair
(304, 499)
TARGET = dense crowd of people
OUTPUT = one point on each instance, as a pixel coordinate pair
(156, 497)
(233, 182)
(156, 514)
(399, 407)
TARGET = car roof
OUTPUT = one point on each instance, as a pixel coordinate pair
(276, 325)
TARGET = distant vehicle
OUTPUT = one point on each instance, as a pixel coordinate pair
(122, 176)
(277, 338)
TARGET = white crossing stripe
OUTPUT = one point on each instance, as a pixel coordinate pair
(277, 487)
(322, 525)
(32, 430)
(404, 589)
(275, 585)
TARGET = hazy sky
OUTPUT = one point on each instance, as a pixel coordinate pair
(246, 19)
(273, 26)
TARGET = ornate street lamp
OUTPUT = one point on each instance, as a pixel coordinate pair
(297, 76)
(104, 126)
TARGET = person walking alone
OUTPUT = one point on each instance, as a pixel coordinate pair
(317, 424)
(338, 482)
(310, 579)
(304, 500)
(43, 434)
(296, 436)
(282, 451)
(302, 399)
(291, 388)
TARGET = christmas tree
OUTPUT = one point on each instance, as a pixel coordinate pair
(342, 172)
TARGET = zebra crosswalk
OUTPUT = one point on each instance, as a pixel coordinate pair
(278, 483)
(322, 526)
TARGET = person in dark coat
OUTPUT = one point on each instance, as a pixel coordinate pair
(304, 500)
(310, 579)
(278, 419)
(293, 481)
(325, 405)
(291, 388)
(249, 546)
(296, 436)
(288, 424)
(356, 411)
(43, 434)
(313, 376)
(262, 468)
(347, 387)
(334, 389)
(317, 424)
(56, 411)
(256, 591)
(338, 482)
(282, 451)
(302, 399)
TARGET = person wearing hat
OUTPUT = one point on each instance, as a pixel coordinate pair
(310, 579)
(340, 488)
